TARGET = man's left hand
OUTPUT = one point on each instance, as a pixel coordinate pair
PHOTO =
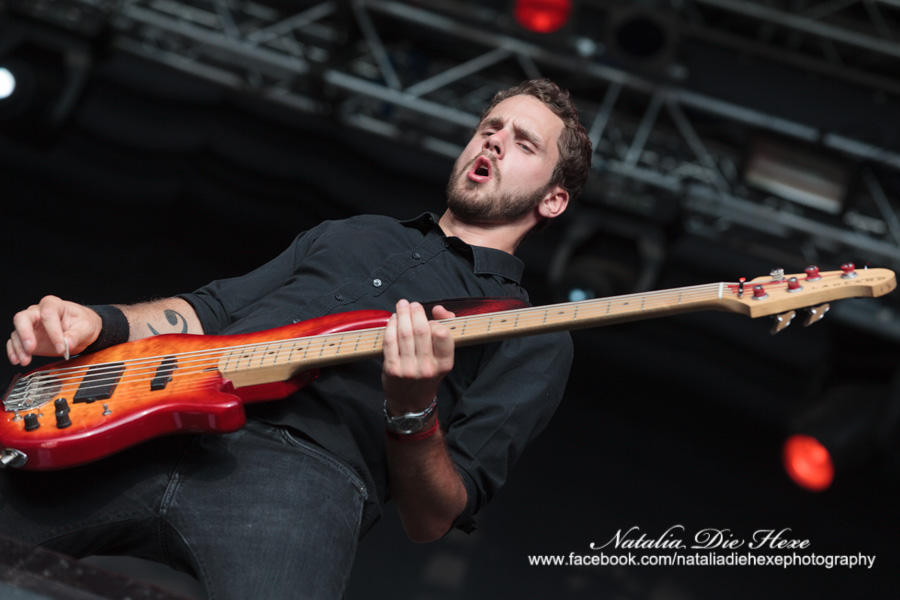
(418, 353)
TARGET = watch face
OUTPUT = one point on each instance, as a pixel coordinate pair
(407, 424)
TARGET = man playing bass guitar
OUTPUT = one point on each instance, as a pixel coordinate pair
(275, 509)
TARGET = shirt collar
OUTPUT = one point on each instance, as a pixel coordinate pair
(485, 261)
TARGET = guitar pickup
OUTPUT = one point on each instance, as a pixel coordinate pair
(164, 374)
(99, 383)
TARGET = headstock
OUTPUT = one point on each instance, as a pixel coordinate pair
(782, 295)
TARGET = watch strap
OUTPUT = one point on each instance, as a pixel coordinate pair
(393, 423)
(414, 437)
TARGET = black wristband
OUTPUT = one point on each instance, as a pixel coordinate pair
(115, 328)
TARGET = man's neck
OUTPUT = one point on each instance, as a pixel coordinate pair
(501, 236)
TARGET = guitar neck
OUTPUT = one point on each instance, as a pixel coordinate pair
(567, 316)
(280, 360)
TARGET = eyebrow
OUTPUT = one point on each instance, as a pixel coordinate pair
(526, 134)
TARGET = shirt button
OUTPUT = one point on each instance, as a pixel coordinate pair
(376, 282)
(338, 297)
(416, 255)
(445, 243)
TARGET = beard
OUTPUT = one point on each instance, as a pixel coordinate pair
(464, 201)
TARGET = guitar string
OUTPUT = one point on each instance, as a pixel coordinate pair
(247, 351)
(261, 349)
(209, 358)
(525, 320)
(685, 295)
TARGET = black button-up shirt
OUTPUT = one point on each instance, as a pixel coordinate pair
(498, 397)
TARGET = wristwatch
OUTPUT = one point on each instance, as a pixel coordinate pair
(409, 423)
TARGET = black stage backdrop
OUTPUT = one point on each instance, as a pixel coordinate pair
(159, 183)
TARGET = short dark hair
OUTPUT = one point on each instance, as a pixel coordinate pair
(574, 145)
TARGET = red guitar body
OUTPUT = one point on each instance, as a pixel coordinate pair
(188, 400)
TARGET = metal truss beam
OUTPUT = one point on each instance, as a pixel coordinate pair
(354, 58)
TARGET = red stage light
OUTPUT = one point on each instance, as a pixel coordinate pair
(543, 16)
(808, 462)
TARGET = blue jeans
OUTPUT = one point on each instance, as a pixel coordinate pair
(253, 514)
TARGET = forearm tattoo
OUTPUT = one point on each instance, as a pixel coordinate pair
(173, 317)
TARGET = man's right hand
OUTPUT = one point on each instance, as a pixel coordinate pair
(52, 327)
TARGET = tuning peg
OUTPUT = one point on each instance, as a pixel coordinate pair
(782, 321)
(812, 273)
(815, 314)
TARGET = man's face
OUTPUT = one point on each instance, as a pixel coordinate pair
(504, 171)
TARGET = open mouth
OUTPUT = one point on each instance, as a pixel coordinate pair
(481, 169)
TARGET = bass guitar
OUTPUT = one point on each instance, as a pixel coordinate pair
(72, 412)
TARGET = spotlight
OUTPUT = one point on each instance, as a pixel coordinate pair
(838, 435)
(808, 462)
(41, 80)
(17, 89)
(7, 83)
(543, 16)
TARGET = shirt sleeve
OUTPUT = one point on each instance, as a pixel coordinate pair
(518, 387)
(225, 301)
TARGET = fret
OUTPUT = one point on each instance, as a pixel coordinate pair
(331, 346)
(268, 356)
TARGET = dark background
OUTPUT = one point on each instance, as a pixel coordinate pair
(158, 183)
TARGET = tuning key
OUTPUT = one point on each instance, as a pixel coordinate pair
(849, 270)
(782, 321)
(815, 314)
(812, 273)
(793, 285)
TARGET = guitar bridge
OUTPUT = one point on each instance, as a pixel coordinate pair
(30, 392)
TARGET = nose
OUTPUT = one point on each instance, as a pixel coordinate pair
(495, 143)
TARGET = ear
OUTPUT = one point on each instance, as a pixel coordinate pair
(554, 202)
